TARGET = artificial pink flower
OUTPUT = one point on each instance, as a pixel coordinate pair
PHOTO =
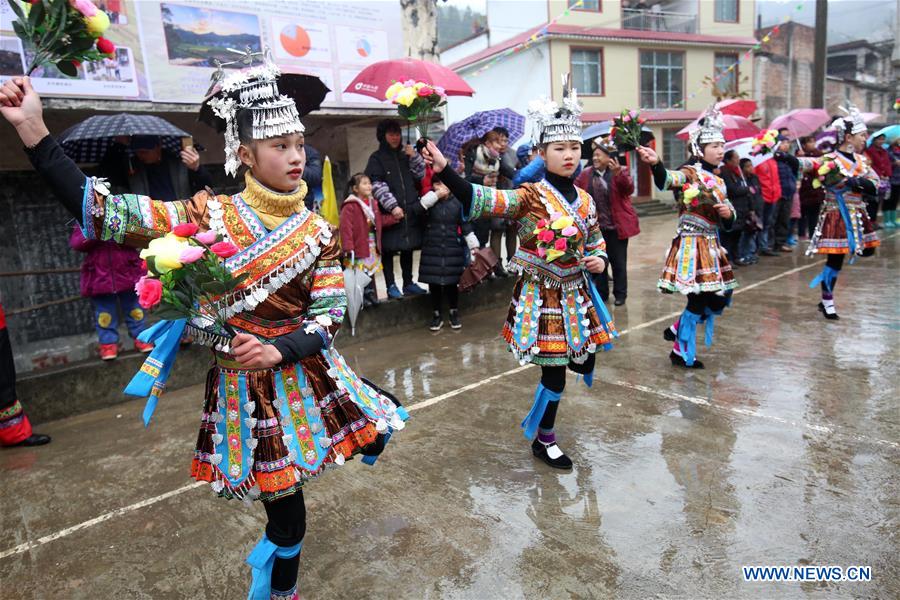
(224, 249)
(206, 237)
(542, 252)
(149, 291)
(542, 223)
(191, 254)
(85, 7)
(545, 236)
(185, 229)
(425, 91)
(440, 91)
(569, 231)
(560, 244)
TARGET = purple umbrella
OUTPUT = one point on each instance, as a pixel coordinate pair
(476, 126)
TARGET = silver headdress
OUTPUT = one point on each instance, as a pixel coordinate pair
(256, 89)
(853, 123)
(708, 130)
(555, 123)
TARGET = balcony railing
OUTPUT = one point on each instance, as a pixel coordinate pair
(647, 20)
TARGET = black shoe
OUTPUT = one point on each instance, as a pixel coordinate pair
(35, 439)
(499, 271)
(619, 302)
(768, 252)
(678, 361)
(830, 316)
(455, 323)
(436, 323)
(540, 450)
(668, 334)
(370, 300)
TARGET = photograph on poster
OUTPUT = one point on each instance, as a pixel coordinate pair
(120, 68)
(114, 9)
(11, 57)
(195, 36)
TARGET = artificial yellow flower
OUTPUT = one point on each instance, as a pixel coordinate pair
(418, 85)
(394, 89)
(823, 169)
(553, 254)
(97, 24)
(406, 96)
(166, 252)
(816, 184)
(691, 193)
(562, 223)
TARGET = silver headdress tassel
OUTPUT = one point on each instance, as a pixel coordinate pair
(256, 89)
(853, 123)
(555, 123)
(708, 130)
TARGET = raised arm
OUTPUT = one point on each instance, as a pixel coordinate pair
(478, 201)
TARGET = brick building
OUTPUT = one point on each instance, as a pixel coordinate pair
(861, 72)
(784, 70)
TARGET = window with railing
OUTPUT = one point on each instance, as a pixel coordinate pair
(640, 16)
(674, 150)
(587, 71)
(662, 79)
(727, 83)
(726, 11)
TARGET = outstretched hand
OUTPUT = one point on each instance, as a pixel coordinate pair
(21, 106)
(434, 157)
(648, 155)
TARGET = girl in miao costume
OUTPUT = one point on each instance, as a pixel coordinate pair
(696, 265)
(281, 403)
(844, 227)
(556, 318)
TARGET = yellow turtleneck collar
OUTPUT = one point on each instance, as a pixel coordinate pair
(273, 208)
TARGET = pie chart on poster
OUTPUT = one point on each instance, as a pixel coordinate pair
(295, 40)
(363, 47)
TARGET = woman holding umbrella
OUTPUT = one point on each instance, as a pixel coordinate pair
(556, 319)
(697, 265)
(281, 404)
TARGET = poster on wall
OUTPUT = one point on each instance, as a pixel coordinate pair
(119, 76)
(332, 40)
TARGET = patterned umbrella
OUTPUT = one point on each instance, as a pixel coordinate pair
(88, 141)
(476, 126)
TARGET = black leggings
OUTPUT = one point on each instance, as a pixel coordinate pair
(286, 527)
(697, 303)
(890, 203)
(554, 379)
(406, 266)
(439, 292)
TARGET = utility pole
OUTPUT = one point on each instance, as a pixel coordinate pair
(821, 55)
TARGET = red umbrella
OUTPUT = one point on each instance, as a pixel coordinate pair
(801, 121)
(375, 79)
(737, 106)
(735, 128)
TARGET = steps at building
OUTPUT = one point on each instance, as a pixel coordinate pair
(652, 208)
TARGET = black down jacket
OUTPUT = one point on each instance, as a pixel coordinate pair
(393, 168)
(443, 248)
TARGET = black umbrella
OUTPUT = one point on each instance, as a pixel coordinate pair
(88, 141)
(307, 91)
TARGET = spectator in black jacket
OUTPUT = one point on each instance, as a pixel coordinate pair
(749, 242)
(788, 170)
(739, 194)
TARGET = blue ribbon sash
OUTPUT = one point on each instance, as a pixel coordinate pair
(151, 380)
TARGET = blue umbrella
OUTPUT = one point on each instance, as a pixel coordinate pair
(476, 126)
(891, 133)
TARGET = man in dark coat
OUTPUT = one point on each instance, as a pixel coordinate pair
(739, 194)
(788, 169)
(400, 168)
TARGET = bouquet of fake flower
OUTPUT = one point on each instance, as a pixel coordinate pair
(764, 142)
(556, 236)
(699, 192)
(626, 130)
(897, 105)
(63, 33)
(826, 174)
(184, 272)
(416, 100)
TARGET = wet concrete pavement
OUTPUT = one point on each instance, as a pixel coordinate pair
(784, 451)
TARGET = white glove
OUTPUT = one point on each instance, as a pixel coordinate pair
(428, 200)
(472, 241)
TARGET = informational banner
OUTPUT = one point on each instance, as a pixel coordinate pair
(166, 50)
(121, 76)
